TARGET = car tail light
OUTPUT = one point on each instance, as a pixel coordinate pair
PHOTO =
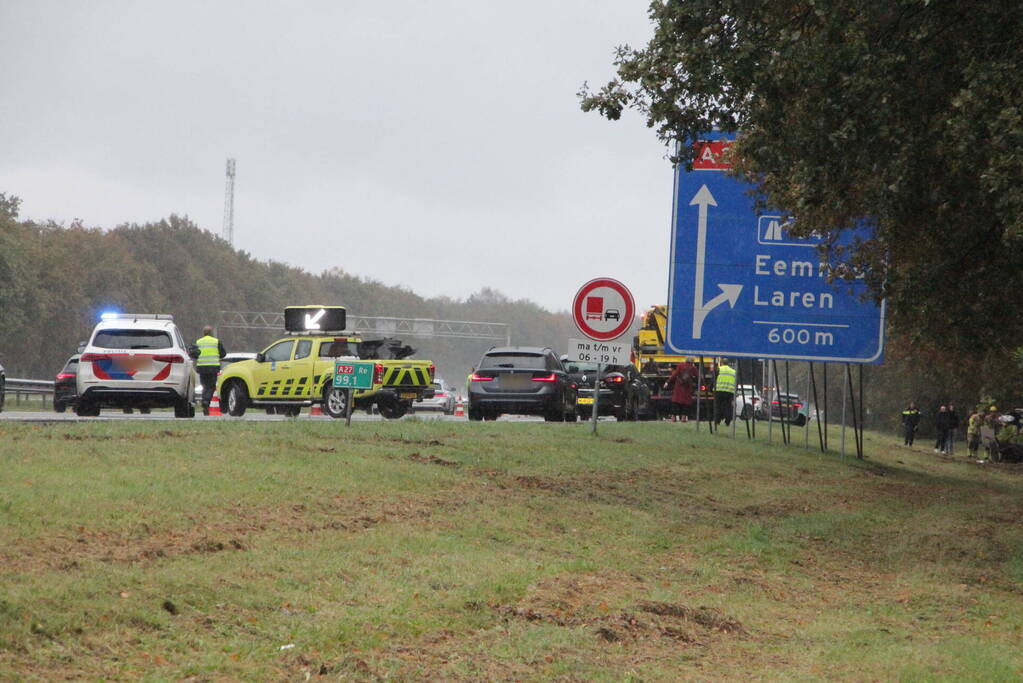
(475, 377)
(378, 373)
(432, 369)
(168, 358)
(546, 378)
(703, 388)
(65, 375)
(440, 394)
(615, 380)
(797, 405)
(90, 357)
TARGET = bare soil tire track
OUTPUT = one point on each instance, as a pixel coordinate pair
(238, 529)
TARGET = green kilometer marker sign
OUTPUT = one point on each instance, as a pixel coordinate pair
(353, 374)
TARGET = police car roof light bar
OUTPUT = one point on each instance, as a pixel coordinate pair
(137, 316)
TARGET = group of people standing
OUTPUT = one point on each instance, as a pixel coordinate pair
(981, 427)
(946, 423)
(683, 382)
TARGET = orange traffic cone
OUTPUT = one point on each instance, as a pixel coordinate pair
(460, 409)
(215, 405)
(316, 409)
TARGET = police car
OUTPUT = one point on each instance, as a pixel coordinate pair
(135, 360)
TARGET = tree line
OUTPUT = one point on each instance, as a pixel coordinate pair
(55, 281)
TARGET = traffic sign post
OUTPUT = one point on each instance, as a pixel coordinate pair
(603, 310)
(740, 285)
(352, 375)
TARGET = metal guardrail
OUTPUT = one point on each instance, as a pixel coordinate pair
(17, 388)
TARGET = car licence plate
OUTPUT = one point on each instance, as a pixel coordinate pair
(408, 394)
(584, 401)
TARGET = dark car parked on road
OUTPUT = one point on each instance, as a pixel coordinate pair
(65, 391)
(623, 393)
(3, 387)
(789, 407)
(521, 380)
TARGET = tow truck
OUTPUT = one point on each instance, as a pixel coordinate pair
(655, 365)
(298, 370)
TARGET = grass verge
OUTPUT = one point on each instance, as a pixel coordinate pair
(418, 550)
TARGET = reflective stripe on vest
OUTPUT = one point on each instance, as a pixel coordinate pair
(726, 380)
(209, 352)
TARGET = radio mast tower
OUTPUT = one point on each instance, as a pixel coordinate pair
(229, 204)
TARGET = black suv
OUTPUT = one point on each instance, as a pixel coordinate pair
(622, 392)
(521, 380)
(65, 388)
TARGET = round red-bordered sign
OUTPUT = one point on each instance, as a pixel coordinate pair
(603, 309)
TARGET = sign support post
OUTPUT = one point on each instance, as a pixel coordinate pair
(348, 407)
(596, 398)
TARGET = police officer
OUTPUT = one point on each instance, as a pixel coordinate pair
(209, 351)
(724, 393)
(910, 421)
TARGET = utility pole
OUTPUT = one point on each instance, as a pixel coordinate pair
(229, 204)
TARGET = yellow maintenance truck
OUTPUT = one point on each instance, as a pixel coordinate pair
(298, 370)
(654, 364)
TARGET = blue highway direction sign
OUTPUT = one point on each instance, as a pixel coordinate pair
(740, 285)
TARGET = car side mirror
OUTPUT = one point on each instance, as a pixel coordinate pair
(260, 357)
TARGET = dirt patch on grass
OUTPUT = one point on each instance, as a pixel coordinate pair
(234, 530)
(404, 440)
(429, 459)
(137, 436)
(574, 600)
(642, 487)
(706, 617)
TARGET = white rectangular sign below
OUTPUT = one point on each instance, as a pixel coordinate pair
(590, 351)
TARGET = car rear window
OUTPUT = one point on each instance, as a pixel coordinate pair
(72, 366)
(132, 339)
(574, 366)
(516, 361)
(336, 348)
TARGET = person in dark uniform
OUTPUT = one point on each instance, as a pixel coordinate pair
(910, 421)
(943, 424)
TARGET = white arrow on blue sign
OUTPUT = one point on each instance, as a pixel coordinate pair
(740, 285)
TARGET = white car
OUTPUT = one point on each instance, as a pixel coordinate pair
(748, 402)
(443, 398)
(135, 361)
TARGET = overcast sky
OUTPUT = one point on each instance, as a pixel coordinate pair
(437, 145)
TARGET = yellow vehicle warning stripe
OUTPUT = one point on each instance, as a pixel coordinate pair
(406, 376)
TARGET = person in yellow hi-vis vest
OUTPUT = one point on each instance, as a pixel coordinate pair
(724, 393)
(208, 352)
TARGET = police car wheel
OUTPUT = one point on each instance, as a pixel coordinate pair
(237, 399)
(335, 402)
